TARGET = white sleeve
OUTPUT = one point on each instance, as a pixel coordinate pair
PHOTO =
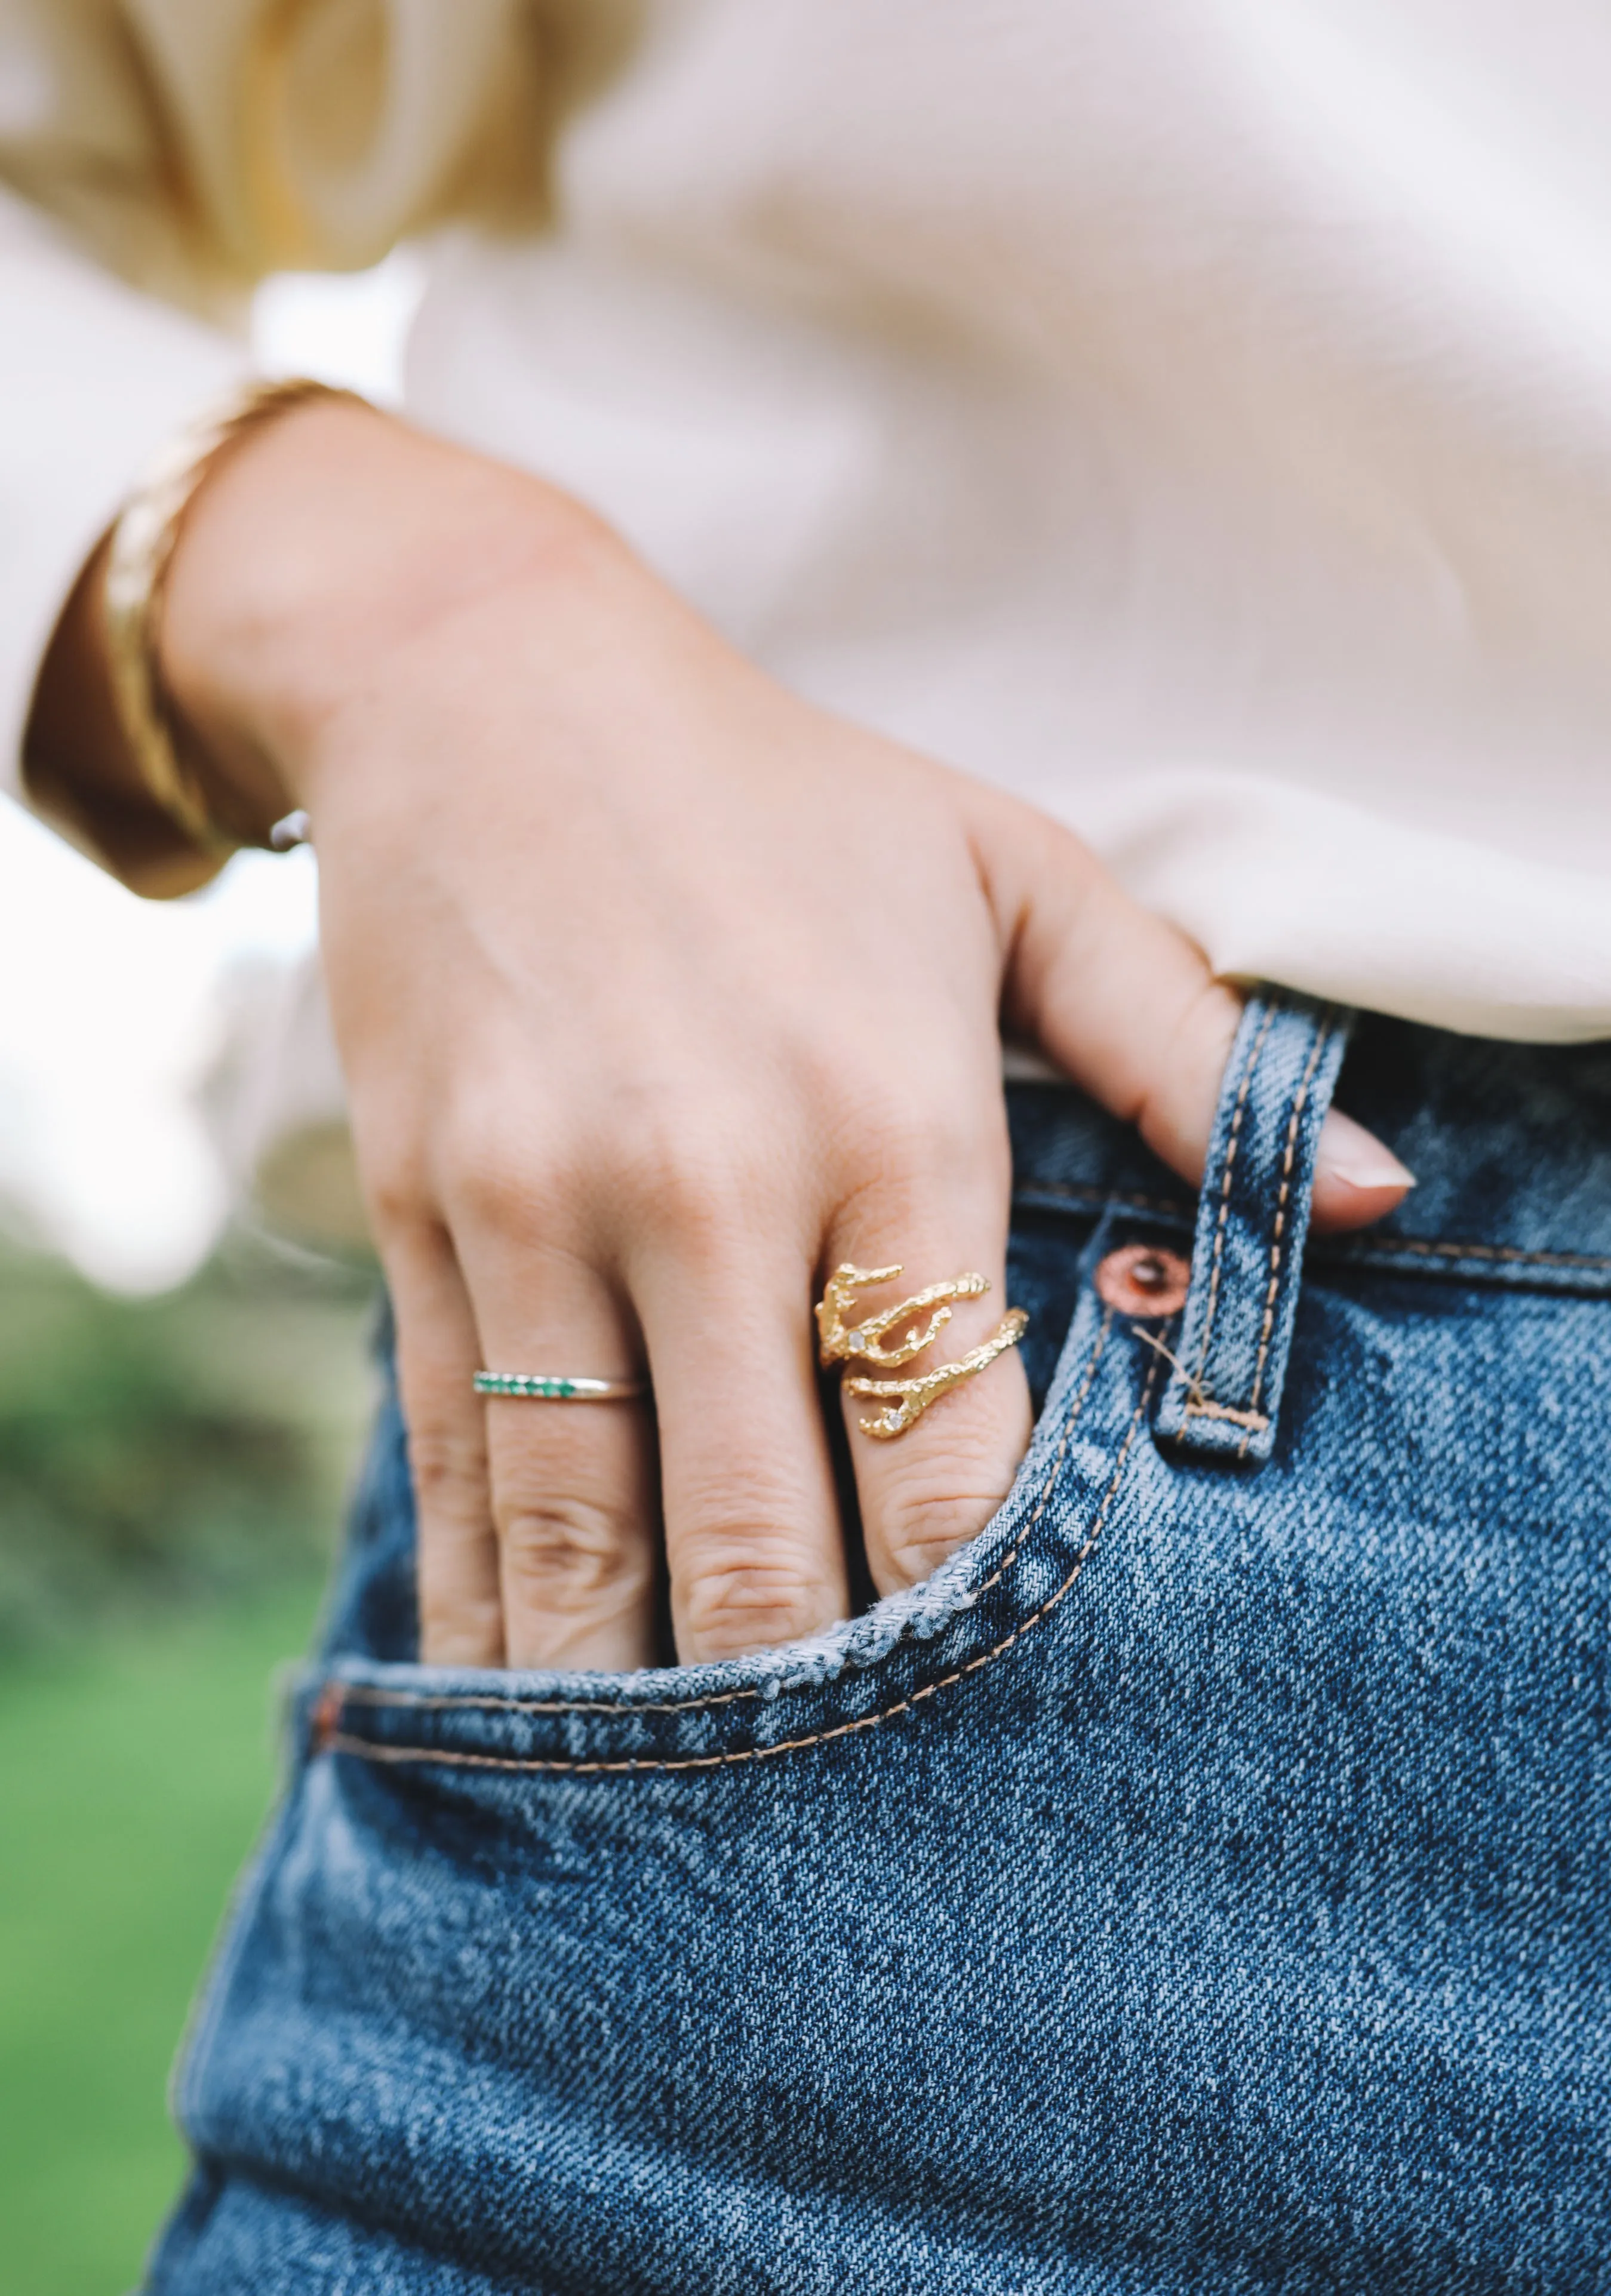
(157, 156)
(93, 376)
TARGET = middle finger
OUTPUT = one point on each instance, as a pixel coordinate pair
(752, 1534)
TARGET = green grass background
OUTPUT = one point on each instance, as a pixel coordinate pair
(134, 1777)
(171, 1479)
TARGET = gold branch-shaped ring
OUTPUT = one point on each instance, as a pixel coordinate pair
(877, 1340)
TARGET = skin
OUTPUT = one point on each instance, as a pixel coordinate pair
(660, 992)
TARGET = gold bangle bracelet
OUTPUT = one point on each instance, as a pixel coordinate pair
(139, 559)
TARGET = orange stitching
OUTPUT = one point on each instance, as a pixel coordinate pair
(418, 1702)
(1198, 1405)
(341, 1744)
(1506, 1251)
(1251, 1419)
(1231, 1157)
(1300, 1101)
(1328, 1247)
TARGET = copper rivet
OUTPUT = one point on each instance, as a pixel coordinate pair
(326, 1718)
(1143, 1279)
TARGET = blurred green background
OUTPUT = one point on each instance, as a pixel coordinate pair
(172, 1473)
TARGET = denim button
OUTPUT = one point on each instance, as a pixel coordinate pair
(1143, 1279)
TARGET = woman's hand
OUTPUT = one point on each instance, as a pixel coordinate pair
(660, 992)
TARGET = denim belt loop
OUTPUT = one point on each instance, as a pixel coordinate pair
(1252, 1218)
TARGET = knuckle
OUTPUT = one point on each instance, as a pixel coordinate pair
(891, 1142)
(450, 1473)
(497, 1183)
(498, 1163)
(398, 1200)
(926, 1521)
(571, 1557)
(909, 1161)
(753, 1598)
(682, 1166)
(687, 1186)
(456, 1629)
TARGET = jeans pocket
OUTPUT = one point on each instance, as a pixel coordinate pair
(878, 1668)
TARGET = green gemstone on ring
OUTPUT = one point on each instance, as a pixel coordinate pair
(550, 1386)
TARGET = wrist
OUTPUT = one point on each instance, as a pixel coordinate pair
(325, 548)
(210, 815)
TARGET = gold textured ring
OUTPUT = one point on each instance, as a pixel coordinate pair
(878, 1338)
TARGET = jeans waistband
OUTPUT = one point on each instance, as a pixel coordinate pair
(1510, 1145)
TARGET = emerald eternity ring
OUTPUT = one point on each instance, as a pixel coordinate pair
(556, 1387)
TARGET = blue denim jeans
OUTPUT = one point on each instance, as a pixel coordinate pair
(1203, 1883)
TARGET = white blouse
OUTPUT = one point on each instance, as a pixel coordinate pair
(1194, 415)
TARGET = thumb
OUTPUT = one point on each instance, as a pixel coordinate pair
(1126, 1005)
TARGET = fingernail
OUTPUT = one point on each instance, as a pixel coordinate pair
(1349, 1153)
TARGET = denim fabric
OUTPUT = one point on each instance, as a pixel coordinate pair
(1201, 1884)
(1252, 1222)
